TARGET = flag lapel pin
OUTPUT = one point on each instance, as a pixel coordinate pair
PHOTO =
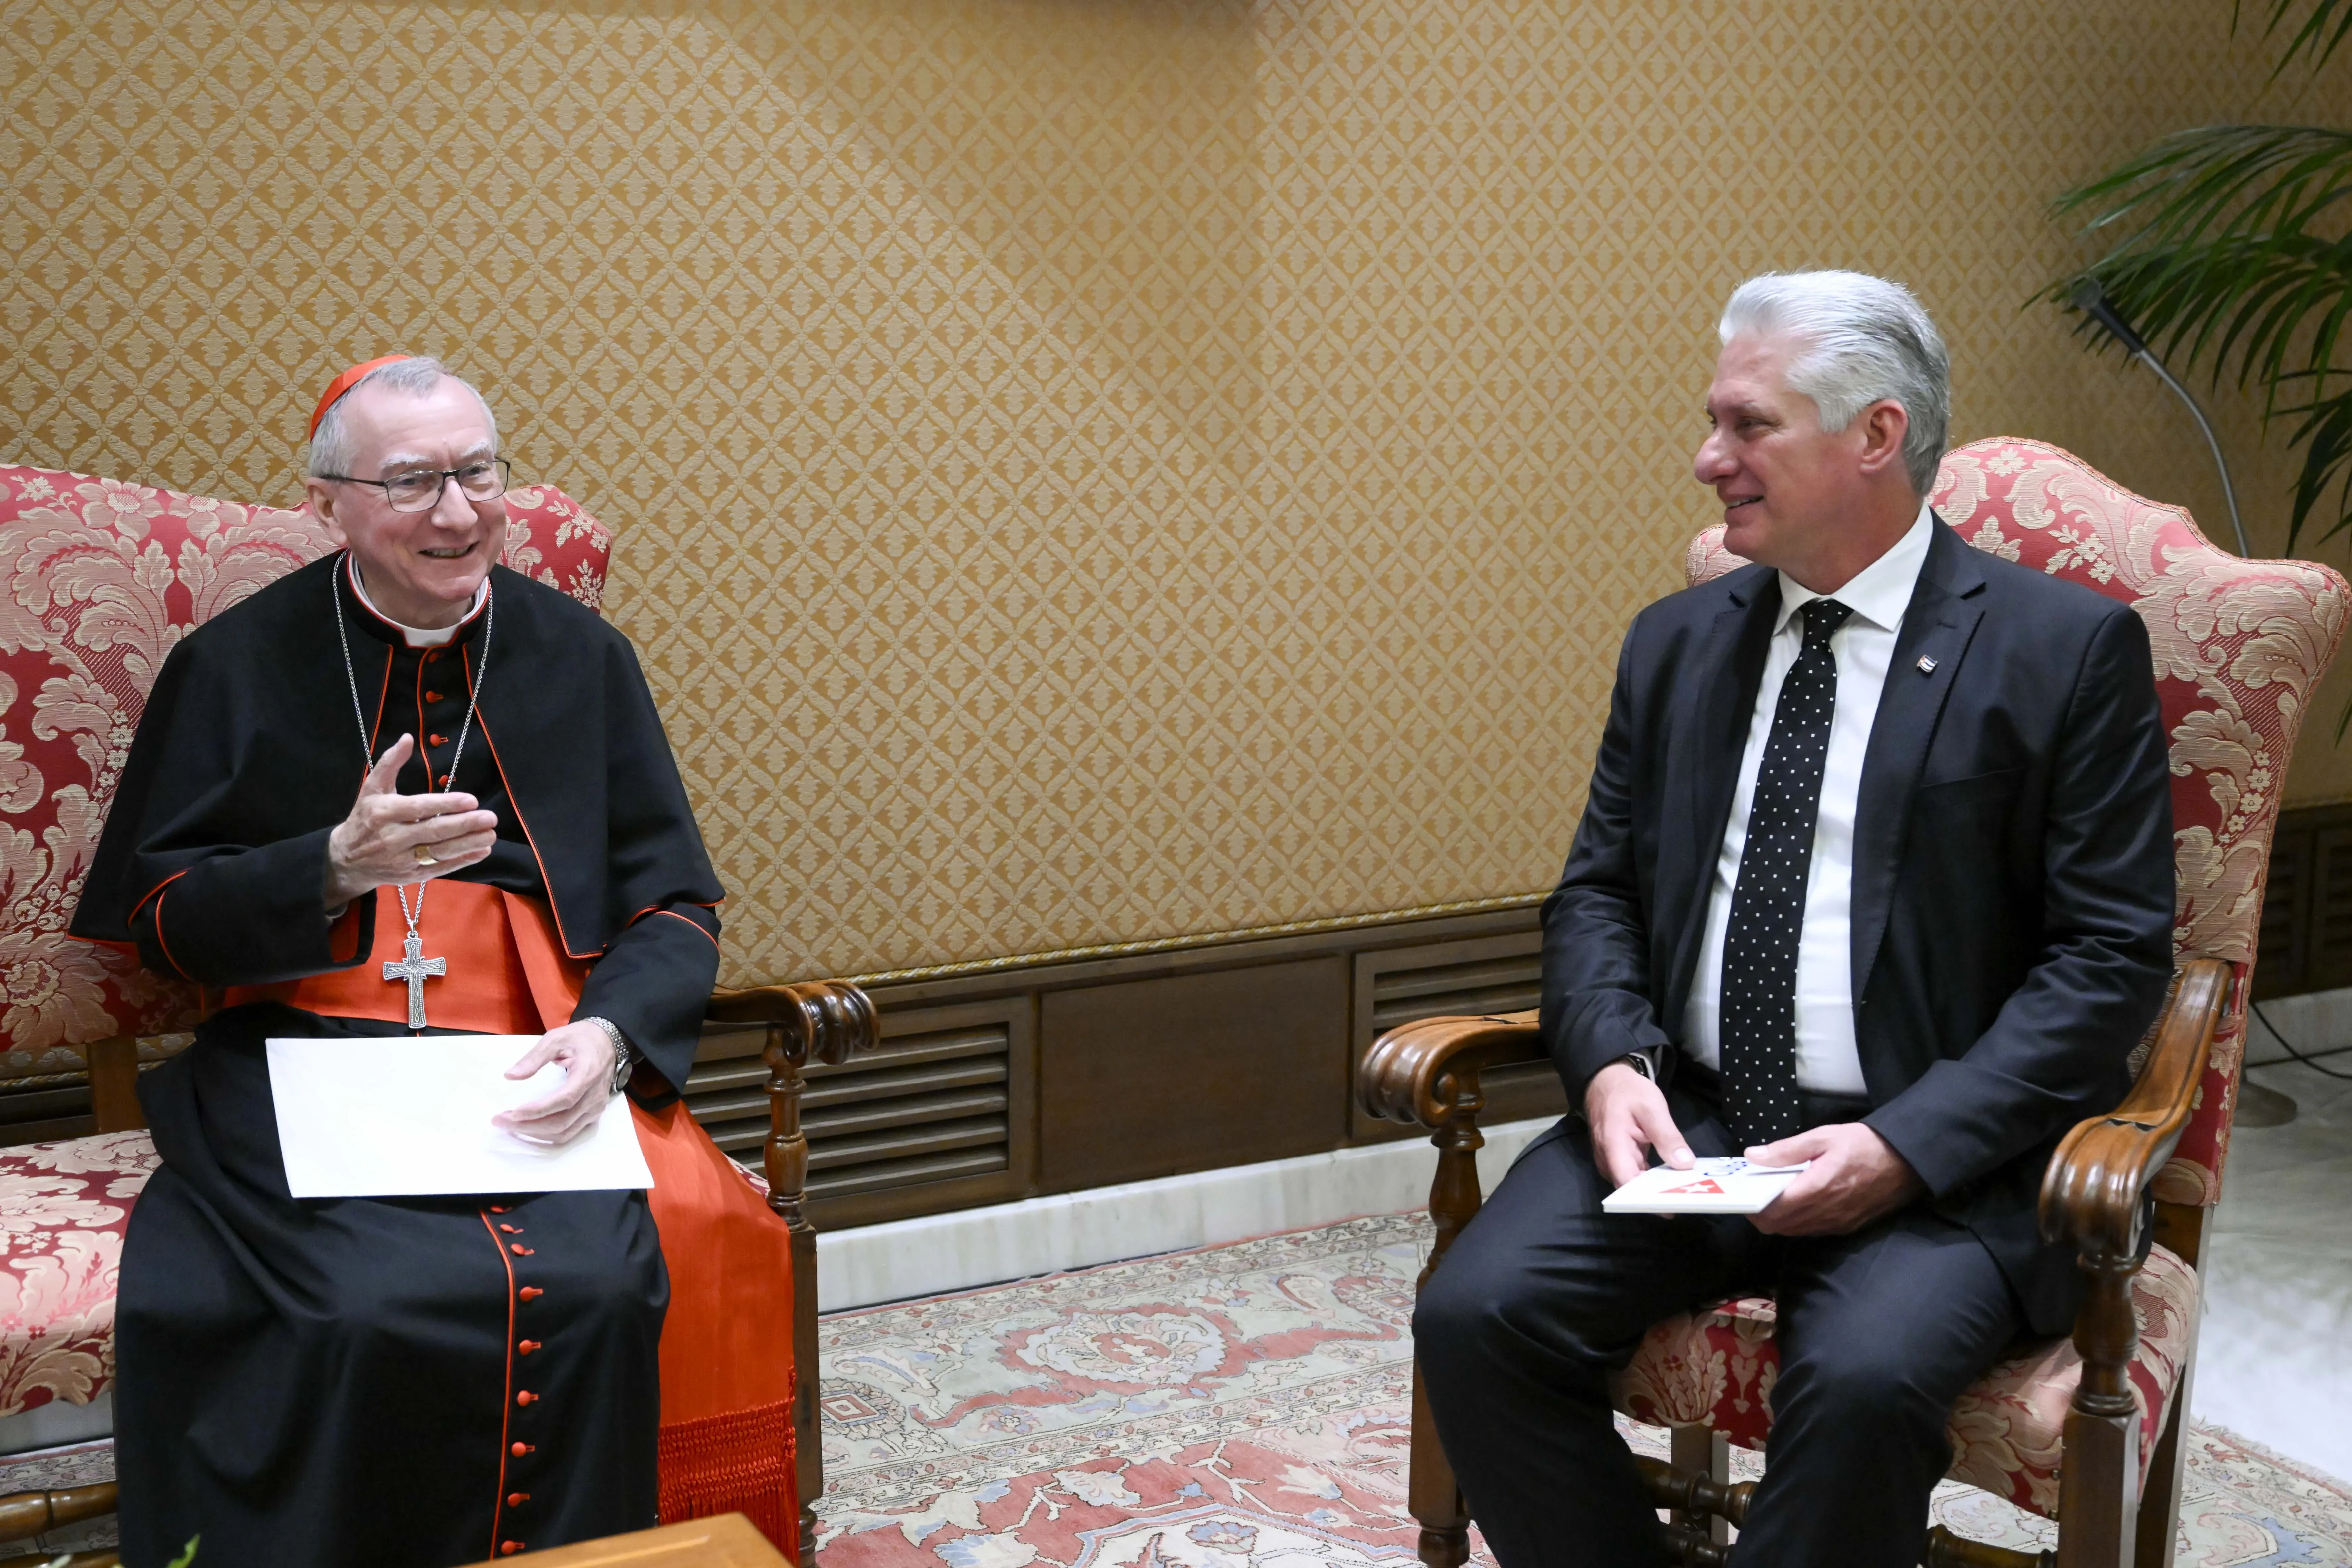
(1926, 664)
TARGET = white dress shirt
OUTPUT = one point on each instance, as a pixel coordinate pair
(1827, 1060)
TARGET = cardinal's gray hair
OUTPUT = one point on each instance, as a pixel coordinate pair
(333, 451)
(1865, 341)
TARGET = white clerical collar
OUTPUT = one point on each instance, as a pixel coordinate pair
(1881, 591)
(418, 636)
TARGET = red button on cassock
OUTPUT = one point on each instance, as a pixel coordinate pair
(522, 1251)
(520, 1449)
(510, 1230)
(530, 1292)
(525, 1397)
(516, 1499)
(437, 739)
(527, 1346)
(432, 696)
(509, 1548)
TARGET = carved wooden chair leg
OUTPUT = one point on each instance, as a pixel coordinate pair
(114, 1084)
(826, 1023)
(1695, 1495)
(2156, 1532)
(1431, 1491)
(24, 1515)
(1946, 1549)
(1697, 1449)
(1431, 1494)
(786, 1165)
(1690, 1546)
(2099, 1479)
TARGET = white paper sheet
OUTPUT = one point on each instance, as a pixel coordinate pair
(1716, 1185)
(409, 1117)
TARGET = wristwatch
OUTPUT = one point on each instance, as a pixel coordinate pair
(1639, 1062)
(625, 1057)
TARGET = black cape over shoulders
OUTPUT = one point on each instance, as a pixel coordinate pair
(248, 755)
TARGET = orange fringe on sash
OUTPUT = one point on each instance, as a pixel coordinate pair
(738, 1463)
(727, 1375)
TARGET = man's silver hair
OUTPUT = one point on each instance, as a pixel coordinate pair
(332, 449)
(1865, 341)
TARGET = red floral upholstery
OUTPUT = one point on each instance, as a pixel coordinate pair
(1717, 1367)
(98, 580)
(2239, 645)
(63, 1210)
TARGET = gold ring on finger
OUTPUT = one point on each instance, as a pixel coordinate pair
(425, 856)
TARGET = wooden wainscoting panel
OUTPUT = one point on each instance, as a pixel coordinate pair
(2306, 943)
(1192, 1072)
(2283, 947)
(2327, 942)
(997, 1085)
(51, 1107)
(1467, 974)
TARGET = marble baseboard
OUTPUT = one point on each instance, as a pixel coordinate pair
(2317, 1022)
(55, 1425)
(936, 1253)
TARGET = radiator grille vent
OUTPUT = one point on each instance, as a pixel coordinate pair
(1511, 984)
(1481, 975)
(922, 1108)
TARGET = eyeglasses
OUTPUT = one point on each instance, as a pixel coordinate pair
(484, 478)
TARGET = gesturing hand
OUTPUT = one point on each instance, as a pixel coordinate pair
(585, 1052)
(1629, 1117)
(377, 843)
(1855, 1176)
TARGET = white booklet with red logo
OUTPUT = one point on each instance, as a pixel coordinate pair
(1724, 1185)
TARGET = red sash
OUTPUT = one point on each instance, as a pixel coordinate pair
(727, 1343)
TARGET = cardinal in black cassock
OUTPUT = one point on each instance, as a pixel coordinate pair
(430, 1381)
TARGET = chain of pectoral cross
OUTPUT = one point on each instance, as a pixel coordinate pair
(412, 967)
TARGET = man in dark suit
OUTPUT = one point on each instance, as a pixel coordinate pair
(1875, 872)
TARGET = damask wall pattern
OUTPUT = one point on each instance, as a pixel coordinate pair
(1085, 472)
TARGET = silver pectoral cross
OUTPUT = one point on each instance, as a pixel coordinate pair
(414, 969)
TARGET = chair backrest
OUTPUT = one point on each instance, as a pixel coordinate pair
(98, 580)
(2240, 647)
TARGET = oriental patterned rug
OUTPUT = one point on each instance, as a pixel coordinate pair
(1246, 1407)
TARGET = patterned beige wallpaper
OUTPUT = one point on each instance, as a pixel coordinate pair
(1086, 470)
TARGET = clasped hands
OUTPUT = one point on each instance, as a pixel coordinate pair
(1855, 1175)
(376, 844)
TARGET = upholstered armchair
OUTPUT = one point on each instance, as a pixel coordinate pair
(98, 580)
(2086, 1431)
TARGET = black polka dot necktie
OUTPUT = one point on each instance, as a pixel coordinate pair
(1761, 1103)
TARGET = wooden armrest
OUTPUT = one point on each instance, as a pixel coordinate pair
(1410, 1073)
(833, 1019)
(2091, 1194)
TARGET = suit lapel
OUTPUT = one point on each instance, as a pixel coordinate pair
(1936, 627)
(1703, 768)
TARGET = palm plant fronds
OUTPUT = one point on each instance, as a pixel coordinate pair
(2234, 243)
(2324, 434)
(2316, 35)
